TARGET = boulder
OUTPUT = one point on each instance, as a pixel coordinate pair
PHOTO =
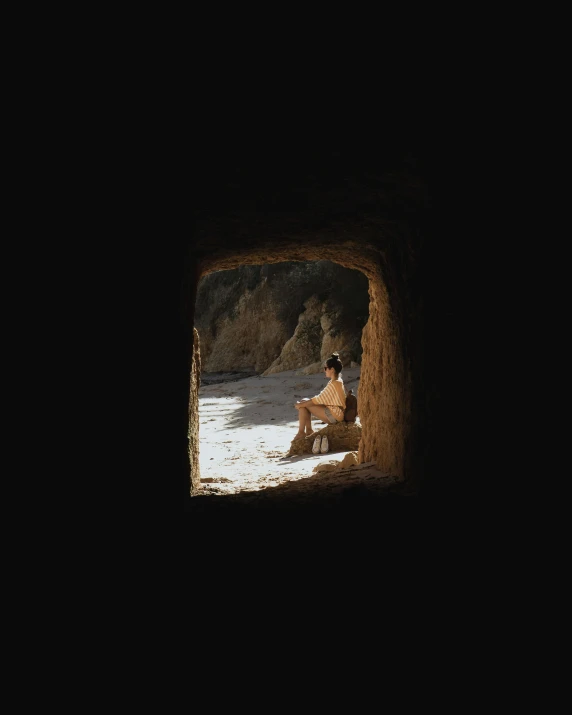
(342, 437)
(326, 467)
(349, 460)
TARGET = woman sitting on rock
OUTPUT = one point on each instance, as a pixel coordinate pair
(328, 405)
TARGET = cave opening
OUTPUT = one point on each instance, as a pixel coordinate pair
(263, 333)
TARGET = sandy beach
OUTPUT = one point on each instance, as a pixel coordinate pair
(246, 427)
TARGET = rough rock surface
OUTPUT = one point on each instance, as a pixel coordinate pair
(327, 467)
(313, 369)
(193, 435)
(280, 317)
(350, 460)
(304, 346)
(245, 330)
(342, 437)
(316, 337)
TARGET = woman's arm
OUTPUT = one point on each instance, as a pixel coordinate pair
(321, 397)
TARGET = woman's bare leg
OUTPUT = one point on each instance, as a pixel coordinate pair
(319, 411)
(304, 423)
(303, 415)
(308, 423)
(305, 419)
(301, 423)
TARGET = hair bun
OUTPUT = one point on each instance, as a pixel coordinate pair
(336, 356)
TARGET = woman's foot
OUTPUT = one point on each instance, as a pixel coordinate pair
(310, 434)
(300, 435)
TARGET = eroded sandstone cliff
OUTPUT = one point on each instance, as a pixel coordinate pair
(283, 316)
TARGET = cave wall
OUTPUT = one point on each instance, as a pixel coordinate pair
(194, 412)
(370, 221)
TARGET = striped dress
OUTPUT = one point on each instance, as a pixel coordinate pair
(333, 396)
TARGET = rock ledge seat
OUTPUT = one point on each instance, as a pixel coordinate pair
(342, 437)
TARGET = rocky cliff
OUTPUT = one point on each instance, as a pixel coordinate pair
(283, 316)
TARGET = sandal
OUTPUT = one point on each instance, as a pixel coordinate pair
(325, 446)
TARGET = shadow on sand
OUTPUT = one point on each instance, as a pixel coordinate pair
(249, 413)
